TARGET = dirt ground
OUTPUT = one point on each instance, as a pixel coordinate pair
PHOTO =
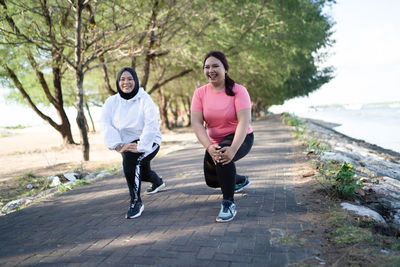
(38, 151)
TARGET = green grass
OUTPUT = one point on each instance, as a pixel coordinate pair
(19, 126)
(290, 240)
(350, 234)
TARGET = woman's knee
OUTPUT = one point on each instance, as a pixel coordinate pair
(212, 184)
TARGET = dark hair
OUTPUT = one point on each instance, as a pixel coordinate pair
(135, 78)
(229, 83)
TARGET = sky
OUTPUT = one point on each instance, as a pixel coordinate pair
(366, 56)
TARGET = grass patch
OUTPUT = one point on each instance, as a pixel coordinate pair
(79, 183)
(290, 240)
(26, 185)
(300, 127)
(113, 170)
(19, 126)
(350, 234)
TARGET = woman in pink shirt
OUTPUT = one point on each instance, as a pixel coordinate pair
(224, 107)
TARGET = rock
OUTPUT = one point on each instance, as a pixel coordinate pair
(71, 176)
(102, 175)
(364, 211)
(55, 181)
(90, 176)
(50, 178)
(15, 204)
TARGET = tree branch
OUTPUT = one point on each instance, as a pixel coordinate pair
(160, 84)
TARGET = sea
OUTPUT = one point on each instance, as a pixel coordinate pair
(377, 124)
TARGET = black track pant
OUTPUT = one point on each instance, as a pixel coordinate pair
(137, 169)
(224, 176)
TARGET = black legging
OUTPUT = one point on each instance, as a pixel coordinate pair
(134, 176)
(224, 176)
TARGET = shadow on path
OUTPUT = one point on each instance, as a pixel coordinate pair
(87, 225)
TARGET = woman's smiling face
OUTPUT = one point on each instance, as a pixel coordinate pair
(126, 82)
(214, 70)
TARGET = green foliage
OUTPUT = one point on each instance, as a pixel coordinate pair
(345, 183)
(299, 127)
(273, 49)
(79, 183)
(292, 120)
(62, 188)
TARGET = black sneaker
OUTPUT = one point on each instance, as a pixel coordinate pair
(135, 210)
(155, 188)
(241, 186)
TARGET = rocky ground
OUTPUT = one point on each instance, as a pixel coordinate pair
(362, 230)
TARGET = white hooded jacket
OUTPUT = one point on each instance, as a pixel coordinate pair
(124, 121)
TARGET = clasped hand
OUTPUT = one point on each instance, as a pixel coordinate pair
(130, 147)
(222, 155)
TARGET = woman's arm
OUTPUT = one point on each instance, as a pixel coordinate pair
(244, 119)
(196, 120)
(151, 126)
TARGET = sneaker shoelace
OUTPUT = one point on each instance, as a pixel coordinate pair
(226, 207)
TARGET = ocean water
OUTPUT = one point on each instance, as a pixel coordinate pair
(375, 124)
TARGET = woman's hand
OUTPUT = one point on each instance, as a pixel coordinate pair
(130, 147)
(226, 155)
(213, 150)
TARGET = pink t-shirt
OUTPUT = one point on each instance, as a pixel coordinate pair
(219, 109)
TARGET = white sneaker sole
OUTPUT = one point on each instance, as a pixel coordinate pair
(138, 214)
(162, 186)
(241, 189)
(222, 221)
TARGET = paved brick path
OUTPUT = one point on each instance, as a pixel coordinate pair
(87, 227)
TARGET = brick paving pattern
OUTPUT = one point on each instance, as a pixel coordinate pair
(86, 226)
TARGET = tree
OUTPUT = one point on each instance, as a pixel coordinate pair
(68, 32)
(19, 46)
(273, 47)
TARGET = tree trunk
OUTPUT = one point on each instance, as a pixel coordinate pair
(90, 116)
(186, 99)
(163, 102)
(80, 118)
(173, 107)
(110, 91)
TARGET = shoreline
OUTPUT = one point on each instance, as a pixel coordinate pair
(330, 126)
(377, 125)
(370, 160)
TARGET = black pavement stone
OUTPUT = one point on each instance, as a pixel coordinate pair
(86, 226)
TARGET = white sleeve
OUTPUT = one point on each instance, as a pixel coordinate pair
(151, 126)
(111, 135)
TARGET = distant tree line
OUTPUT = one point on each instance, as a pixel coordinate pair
(63, 53)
